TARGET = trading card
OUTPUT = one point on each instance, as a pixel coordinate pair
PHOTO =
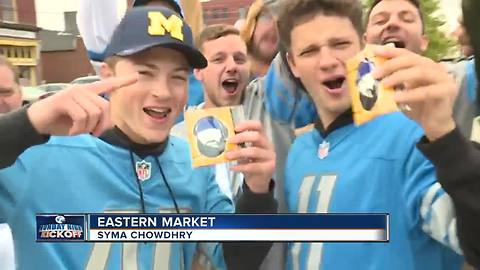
(369, 98)
(208, 133)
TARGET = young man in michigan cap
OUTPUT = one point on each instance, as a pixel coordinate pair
(148, 61)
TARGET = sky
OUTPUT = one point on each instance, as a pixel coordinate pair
(50, 16)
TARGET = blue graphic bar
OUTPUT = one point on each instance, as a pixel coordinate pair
(237, 221)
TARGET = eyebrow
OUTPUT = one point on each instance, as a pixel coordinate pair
(380, 14)
(218, 54)
(6, 89)
(156, 67)
(183, 68)
(148, 65)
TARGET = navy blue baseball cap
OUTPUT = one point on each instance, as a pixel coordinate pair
(173, 3)
(150, 26)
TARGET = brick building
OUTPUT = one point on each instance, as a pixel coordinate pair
(224, 11)
(18, 38)
(64, 57)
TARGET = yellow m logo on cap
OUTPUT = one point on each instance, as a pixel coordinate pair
(159, 25)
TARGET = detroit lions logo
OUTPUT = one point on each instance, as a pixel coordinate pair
(368, 87)
(60, 219)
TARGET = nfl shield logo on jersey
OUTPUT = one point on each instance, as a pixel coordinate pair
(323, 149)
(143, 170)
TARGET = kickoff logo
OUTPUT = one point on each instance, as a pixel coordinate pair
(58, 228)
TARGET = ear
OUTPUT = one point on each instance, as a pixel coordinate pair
(291, 64)
(364, 38)
(105, 71)
(198, 74)
(424, 43)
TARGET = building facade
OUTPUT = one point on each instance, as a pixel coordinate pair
(224, 11)
(18, 38)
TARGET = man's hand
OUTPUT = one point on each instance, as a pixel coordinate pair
(428, 89)
(257, 160)
(78, 109)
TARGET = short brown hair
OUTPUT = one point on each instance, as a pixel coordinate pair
(6, 63)
(295, 12)
(214, 32)
(415, 3)
(112, 61)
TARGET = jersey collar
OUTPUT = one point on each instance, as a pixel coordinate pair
(344, 119)
(116, 137)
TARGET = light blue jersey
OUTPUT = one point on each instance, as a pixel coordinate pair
(373, 168)
(84, 174)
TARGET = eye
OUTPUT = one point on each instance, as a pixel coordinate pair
(6, 93)
(240, 60)
(407, 17)
(341, 44)
(217, 59)
(146, 73)
(309, 51)
(180, 77)
(380, 21)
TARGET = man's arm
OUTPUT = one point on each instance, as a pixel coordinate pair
(16, 135)
(250, 255)
(458, 170)
(456, 160)
(67, 113)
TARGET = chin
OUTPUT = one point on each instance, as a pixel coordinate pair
(154, 136)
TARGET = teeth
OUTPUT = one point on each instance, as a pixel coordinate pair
(158, 110)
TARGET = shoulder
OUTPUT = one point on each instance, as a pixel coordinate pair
(177, 151)
(81, 141)
(179, 130)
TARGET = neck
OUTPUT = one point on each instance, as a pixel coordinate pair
(259, 67)
(130, 134)
(208, 103)
(326, 117)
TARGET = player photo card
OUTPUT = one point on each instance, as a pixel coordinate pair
(369, 98)
(208, 133)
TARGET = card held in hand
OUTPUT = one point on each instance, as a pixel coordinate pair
(369, 98)
(208, 132)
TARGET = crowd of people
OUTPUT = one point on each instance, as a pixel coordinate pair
(286, 65)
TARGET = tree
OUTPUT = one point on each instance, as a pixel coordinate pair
(440, 46)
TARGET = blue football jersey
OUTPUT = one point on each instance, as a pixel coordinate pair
(373, 168)
(84, 174)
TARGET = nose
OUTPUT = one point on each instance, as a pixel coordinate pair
(327, 59)
(231, 65)
(393, 23)
(161, 88)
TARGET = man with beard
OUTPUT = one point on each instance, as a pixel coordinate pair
(10, 99)
(261, 36)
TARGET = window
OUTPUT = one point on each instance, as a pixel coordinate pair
(8, 10)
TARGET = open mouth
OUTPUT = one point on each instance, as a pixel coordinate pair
(335, 85)
(398, 43)
(230, 85)
(158, 113)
